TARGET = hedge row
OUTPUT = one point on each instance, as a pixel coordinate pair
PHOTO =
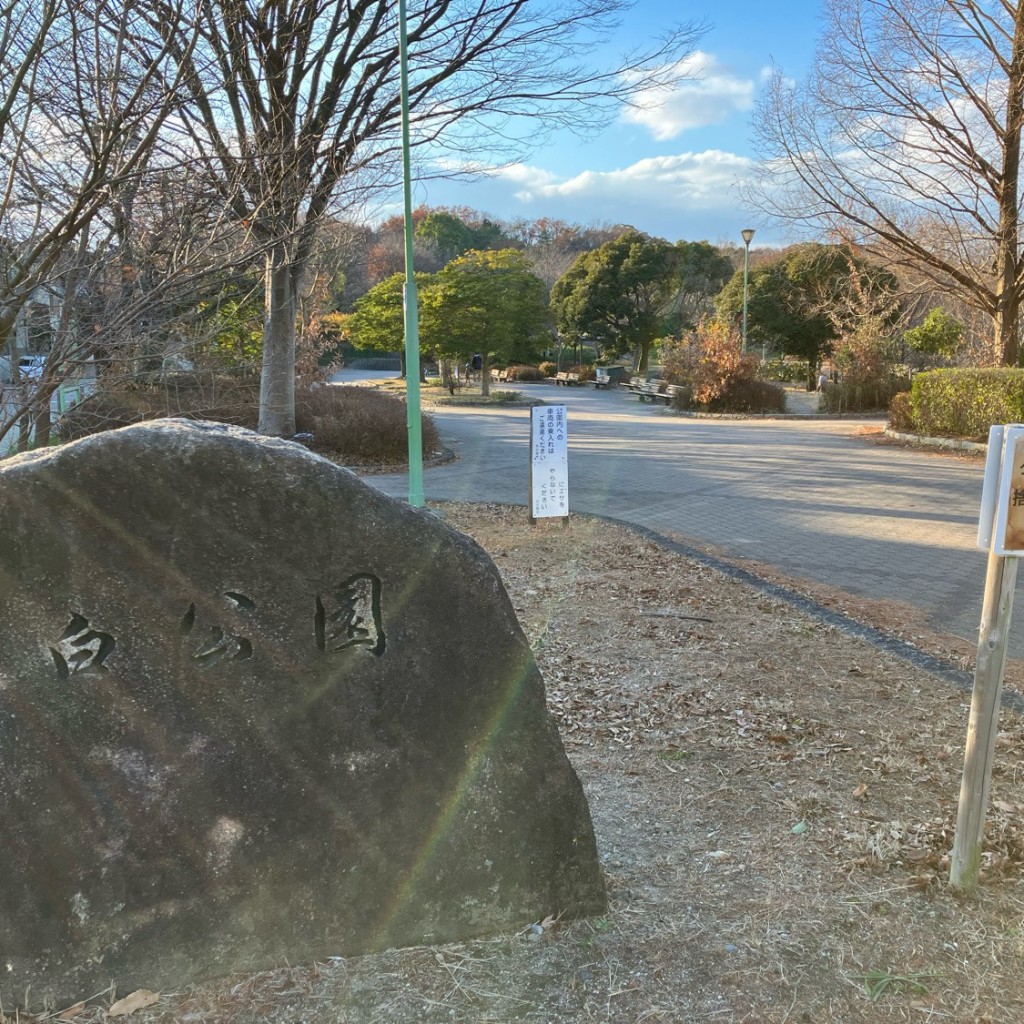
(960, 403)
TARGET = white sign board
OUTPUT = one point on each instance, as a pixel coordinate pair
(549, 462)
(1009, 525)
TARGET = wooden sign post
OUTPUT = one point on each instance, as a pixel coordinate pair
(549, 463)
(1001, 531)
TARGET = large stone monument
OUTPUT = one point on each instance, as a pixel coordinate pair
(253, 712)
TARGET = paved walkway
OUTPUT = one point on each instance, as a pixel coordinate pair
(805, 496)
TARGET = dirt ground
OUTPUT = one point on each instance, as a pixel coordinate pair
(774, 803)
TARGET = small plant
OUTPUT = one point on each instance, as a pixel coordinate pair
(877, 983)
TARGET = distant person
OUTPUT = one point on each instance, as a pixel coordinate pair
(822, 379)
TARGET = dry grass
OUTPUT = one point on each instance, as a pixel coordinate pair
(774, 803)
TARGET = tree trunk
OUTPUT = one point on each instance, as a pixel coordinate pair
(643, 356)
(43, 425)
(277, 383)
(1007, 260)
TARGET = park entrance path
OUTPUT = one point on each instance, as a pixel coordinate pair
(805, 496)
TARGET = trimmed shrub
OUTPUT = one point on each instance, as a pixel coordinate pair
(527, 373)
(357, 424)
(901, 415)
(549, 369)
(750, 395)
(965, 402)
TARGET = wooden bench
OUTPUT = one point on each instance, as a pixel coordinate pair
(501, 376)
(567, 378)
(602, 379)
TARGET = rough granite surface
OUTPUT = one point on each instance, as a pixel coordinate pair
(253, 712)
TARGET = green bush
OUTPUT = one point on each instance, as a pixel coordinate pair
(965, 402)
(354, 424)
(549, 369)
(901, 414)
(784, 370)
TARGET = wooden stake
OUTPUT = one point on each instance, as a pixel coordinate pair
(1000, 582)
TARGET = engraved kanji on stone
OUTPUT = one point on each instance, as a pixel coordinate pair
(221, 644)
(81, 650)
(352, 616)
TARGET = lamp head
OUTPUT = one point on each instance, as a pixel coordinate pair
(748, 234)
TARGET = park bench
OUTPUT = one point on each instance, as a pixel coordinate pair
(605, 377)
(501, 376)
(653, 390)
(566, 378)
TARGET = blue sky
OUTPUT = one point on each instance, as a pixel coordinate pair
(672, 171)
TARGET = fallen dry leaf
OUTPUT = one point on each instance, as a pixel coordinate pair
(137, 1000)
(71, 1011)
(861, 792)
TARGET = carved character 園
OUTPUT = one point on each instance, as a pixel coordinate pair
(351, 617)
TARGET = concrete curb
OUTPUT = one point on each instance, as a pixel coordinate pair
(939, 668)
(951, 443)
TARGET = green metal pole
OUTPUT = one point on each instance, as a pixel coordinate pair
(746, 272)
(412, 325)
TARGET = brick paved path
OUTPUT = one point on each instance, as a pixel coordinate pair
(806, 496)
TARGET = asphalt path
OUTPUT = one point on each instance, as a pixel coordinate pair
(808, 497)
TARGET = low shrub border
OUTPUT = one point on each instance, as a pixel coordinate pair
(961, 403)
(357, 424)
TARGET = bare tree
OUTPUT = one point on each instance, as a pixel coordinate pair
(81, 109)
(296, 101)
(905, 140)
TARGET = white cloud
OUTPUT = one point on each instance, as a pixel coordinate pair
(702, 93)
(686, 180)
(686, 195)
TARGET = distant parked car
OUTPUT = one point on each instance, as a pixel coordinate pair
(31, 367)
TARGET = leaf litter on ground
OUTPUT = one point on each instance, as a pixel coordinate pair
(707, 721)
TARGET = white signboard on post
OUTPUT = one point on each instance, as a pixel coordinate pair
(1009, 522)
(549, 463)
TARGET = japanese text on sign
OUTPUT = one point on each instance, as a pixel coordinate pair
(1009, 539)
(549, 462)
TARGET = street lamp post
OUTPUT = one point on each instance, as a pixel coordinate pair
(748, 234)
